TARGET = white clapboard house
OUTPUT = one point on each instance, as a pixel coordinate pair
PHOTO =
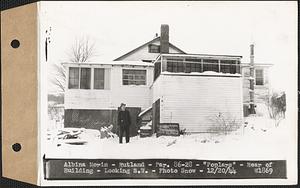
(162, 83)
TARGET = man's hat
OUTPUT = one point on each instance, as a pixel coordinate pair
(122, 104)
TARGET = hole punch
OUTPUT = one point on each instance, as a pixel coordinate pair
(16, 147)
(15, 43)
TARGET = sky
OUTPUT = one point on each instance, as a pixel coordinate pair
(195, 27)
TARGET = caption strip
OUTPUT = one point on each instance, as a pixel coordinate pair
(82, 169)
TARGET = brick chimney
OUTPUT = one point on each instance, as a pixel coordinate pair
(252, 106)
(164, 39)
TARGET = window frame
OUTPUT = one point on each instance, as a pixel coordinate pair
(78, 79)
(153, 48)
(102, 82)
(211, 65)
(194, 64)
(262, 81)
(131, 77)
(88, 86)
(79, 86)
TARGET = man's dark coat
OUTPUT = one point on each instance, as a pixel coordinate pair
(124, 119)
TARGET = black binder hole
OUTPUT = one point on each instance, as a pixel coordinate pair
(16, 147)
(15, 43)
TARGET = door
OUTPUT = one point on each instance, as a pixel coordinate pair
(156, 115)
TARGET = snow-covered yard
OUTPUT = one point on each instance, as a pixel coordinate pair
(258, 138)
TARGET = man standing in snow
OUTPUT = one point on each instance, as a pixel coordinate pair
(124, 122)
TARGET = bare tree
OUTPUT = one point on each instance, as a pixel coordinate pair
(59, 77)
(81, 51)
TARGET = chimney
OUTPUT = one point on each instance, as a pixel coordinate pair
(252, 106)
(164, 39)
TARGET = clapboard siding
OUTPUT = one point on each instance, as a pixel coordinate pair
(260, 92)
(193, 101)
(157, 89)
(132, 95)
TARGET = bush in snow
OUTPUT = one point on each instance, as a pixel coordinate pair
(224, 123)
(276, 104)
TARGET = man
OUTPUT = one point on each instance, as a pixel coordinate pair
(124, 122)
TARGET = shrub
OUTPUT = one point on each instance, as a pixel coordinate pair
(225, 123)
(276, 104)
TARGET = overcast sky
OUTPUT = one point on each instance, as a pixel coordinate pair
(195, 27)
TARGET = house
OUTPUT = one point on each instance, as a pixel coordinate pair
(197, 90)
(96, 89)
(162, 83)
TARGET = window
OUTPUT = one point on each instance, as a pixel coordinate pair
(193, 67)
(230, 66)
(153, 48)
(259, 77)
(98, 78)
(210, 65)
(85, 78)
(225, 66)
(193, 64)
(238, 68)
(196, 67)
(73, 78)
(134, 77)
(175, 65)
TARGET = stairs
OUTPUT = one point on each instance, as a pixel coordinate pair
(145, 117)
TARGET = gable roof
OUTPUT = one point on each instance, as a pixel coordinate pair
(151, 41)
(121, 63)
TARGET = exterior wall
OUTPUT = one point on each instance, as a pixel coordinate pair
(260, 92)
(246, 85)
(111, 97)
(196, 104)
(157, 89)
(95, 119)
(90, 119)
(157, 93)
(143, 53)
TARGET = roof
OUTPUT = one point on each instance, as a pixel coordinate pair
(257, 65)
(223, 55)
(205, 73)
(147, 43)
(119, 63)
(203, 56)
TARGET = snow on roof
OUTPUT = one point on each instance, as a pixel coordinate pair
(257, 65)
(144, 111)
(204, 55)
(115, 63)
(205, 73)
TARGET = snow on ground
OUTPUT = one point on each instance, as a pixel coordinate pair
(257, 139)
